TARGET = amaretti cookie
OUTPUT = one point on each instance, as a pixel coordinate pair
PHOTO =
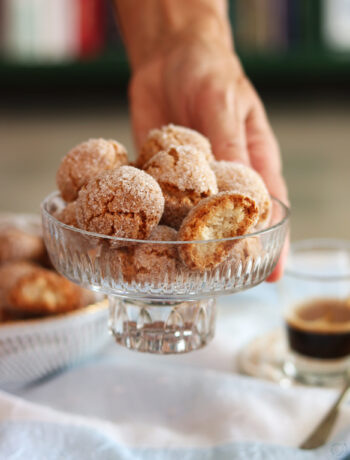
(225, 215)
(30, 289)
(85, 161)
(243, 179)
(246, 249)
(165, 137)
(185, 178)
(68, 214)
(147, 263)
(125, 202)
(16, 244)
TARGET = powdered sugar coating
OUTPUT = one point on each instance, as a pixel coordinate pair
(147, 263)
(68, 215)
(238, 177)
(16, 244)
(185, 178)
(121, 155)
(86, 161)
(125, 203)
(163, 233)
(248, 248)
(10, 273)
(163, 138)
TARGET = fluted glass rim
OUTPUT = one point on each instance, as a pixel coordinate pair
(56, 194)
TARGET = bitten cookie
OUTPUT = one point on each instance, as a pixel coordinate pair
(86, 161)
(243, 179)
(68, 215)
(147, 263)
(169, 135)
(16, 244)
(225, 215)
(125, 203)
(29, 289)
(185, 178)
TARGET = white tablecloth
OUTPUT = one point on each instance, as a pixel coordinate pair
(123, 404)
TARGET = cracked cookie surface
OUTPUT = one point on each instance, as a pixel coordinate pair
(16, 244)
(147, 262)
(125, 203)
(67, 215)
(86, 161)
(185, 178)
(165, 137)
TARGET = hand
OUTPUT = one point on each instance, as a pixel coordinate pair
(201, 84)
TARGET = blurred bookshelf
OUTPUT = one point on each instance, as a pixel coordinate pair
(76, 42)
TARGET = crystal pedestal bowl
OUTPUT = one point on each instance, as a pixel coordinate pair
(157, 304)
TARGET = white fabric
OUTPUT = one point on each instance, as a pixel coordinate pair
(193, 401)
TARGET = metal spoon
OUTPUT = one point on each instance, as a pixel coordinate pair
(321, 433)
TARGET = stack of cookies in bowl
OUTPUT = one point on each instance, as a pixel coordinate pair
(174, 195)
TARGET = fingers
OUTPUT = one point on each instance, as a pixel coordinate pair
(265, 158)
(278, 270)
(220, 117)
(264, 151)
(146, 109)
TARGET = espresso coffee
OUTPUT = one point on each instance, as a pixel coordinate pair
(320, 328)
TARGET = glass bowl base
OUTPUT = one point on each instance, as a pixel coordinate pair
(162, 327)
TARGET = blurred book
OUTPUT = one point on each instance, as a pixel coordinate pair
(92, 15)
(113, 36)
(55, 31)
(336, 24)
(52, 30)
(261, 25)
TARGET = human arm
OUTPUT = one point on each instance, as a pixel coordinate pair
(185, 71)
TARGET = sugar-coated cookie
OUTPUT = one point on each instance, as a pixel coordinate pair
(67, 215)
(16, 244)
(185, 178)
(125, 202)
(165, 137)
(147, 262)
(246, 248)
(86, 161)
(29, 289)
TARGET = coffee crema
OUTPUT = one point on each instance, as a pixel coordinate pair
(320, 328)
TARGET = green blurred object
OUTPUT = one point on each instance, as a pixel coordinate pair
(294, 52)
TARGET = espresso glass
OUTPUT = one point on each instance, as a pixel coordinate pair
(316, 296)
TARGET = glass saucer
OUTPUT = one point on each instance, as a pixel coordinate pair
(268, 357)
(264, 357)
(157, 304)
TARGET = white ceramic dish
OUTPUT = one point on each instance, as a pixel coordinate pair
(34, 348)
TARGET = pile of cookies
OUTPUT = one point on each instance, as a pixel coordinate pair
(176, 191)
(29, 287)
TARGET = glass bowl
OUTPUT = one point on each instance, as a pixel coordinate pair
(157, 304)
